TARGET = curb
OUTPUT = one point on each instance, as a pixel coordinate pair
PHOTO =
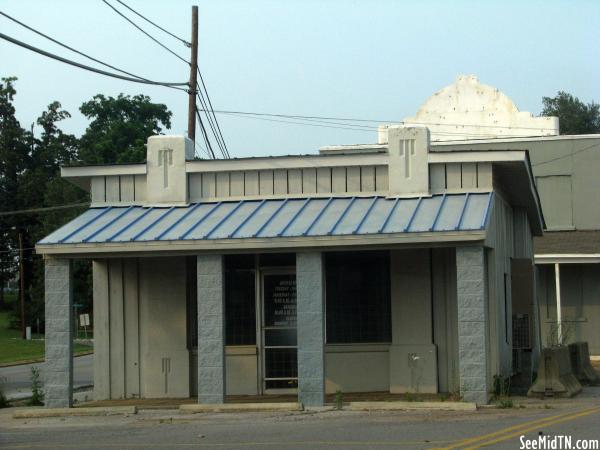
(409, 406)
(63, 412)
(239, 407)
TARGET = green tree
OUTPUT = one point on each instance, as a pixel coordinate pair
(41, 185)
(30, 177)
(14, 158)
(120, 127)
(574, 116)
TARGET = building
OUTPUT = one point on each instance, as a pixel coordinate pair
(568, 255)
(357, 271)
(470, 116)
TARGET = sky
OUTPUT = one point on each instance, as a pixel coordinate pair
(376, 60)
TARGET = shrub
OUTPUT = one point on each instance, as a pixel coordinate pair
(4, 403)
(506, 403)
(37, 394)
(339, 400)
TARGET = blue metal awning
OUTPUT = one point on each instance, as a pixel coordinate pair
(276, 218)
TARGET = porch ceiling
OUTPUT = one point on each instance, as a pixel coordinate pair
(292, 222)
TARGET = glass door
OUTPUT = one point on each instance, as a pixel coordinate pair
(279, 343)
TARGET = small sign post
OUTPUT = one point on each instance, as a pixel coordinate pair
(84, 321)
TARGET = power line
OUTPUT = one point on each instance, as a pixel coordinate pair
(366, 128)
(211, 124)
(349, 127)
(145, 32)
(186, 43)
(205, 135)
(44, 209)
(213, 112)
(198, 146)
(296, 116)
(83, 66)
(70, 48)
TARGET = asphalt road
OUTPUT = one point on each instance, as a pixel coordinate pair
(16, 380)
(489, 428)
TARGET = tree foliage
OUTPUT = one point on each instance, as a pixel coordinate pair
(574, 116)
(119, 128)
(14, 159)
(30, 178)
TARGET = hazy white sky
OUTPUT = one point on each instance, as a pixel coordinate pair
(360, 59)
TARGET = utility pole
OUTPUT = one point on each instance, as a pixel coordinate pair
(193, 76)
(22, 285)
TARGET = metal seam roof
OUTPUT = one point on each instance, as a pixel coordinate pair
(273, 218)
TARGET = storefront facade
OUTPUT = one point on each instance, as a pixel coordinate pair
(385, 270)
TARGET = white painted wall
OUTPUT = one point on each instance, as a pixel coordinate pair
(163, 328)
(413, 356)
(116, 337)
(139, 319)
(357, 368)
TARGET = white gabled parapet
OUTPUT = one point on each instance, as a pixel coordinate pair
(408, 165)
(469, 109)
(166, 180)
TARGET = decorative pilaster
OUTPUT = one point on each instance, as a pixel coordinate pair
(58, 369)
(472, 323)
(310, 284)
(211, 329)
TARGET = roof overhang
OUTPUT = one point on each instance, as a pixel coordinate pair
(563, 258)
(513, 177)
(509, 139)
(269, 244)
(81, 175)
(275, 224)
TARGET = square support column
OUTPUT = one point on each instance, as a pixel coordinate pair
(310, 285)
(58, 369)
(472, 323)
(211, 329)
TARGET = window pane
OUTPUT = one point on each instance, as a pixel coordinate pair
(358, 297)
(277, 260)
(281, 363)
(280, 300)
(281, 337)
(240, 316)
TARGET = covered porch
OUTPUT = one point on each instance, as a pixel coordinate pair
(279, 297)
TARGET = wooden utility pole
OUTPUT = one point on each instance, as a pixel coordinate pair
(22, 285)
(193, 76)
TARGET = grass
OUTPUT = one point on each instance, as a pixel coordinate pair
(13, 349)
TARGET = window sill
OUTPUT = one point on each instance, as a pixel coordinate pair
(357, 348)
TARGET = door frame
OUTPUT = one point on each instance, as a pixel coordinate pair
(260, 332)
